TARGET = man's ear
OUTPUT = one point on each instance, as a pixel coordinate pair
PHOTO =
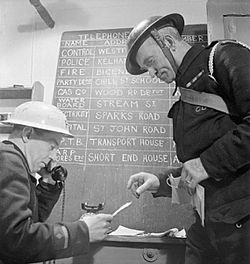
(169, 42)
(26, 134)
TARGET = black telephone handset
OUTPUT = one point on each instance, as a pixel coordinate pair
(58, 173)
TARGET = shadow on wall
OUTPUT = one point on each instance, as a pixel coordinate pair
(59, 11)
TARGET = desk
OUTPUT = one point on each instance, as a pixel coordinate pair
(135, 250)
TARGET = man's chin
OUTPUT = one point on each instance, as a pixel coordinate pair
(166, 80)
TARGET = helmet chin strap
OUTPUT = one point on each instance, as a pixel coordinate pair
(166, 51)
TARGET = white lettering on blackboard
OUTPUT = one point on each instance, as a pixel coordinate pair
(73, 142)
(101, 157)
(112, 42)
(71, 102)
(145, 80)
(132, 92)
(73, 82)
(195, 38)
(76, 113)
(64, 92)
(77, 52)
(151, 142)
(75, 62)
(64, 158)
(118, 103)
(175, 160)
(123, 128)
(147, 129)
(66, 152)
(129, 157)
(111, 61)
(150, 92)
(155, 158)
(112, 142)
(71, 71)
(110, 71)
(98, 128)
(114, 116)
(109, 92)
(106, 81)
(74, 43)
(112, 51)
(67, 141)
(149, 116)
(80, 91)
(104, 35)
(150, 104)
(77, 126)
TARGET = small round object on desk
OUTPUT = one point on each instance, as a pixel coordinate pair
(150, 254)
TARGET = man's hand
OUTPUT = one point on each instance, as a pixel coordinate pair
(99, 225)
(141, 182)
(192, 173)
(46, 176)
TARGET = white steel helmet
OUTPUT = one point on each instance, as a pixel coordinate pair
(40, 115)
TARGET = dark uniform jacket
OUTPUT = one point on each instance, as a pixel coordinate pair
(221, 141)
(24, 206)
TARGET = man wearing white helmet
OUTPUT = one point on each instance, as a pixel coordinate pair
(211, 129)
(38, 129)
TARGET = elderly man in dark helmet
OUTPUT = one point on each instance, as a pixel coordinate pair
(25, 205)
(211, 129)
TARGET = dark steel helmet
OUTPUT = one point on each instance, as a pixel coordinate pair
(142, 31)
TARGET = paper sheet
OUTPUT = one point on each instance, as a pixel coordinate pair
(180, 196)
(198, 202)
(124, 231)
(173, 232)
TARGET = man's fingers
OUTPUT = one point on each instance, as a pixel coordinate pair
(191, 190)
(133, 180)
(190, 187)
(138, 190)
(144, 187)
(181, 183)
(134, 189)
(130, 182)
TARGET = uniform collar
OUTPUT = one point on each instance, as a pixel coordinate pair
(190, 56)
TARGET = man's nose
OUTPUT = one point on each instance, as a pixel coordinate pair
(152, 72)
(52, 154)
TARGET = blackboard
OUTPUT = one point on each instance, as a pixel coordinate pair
(121, 127)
